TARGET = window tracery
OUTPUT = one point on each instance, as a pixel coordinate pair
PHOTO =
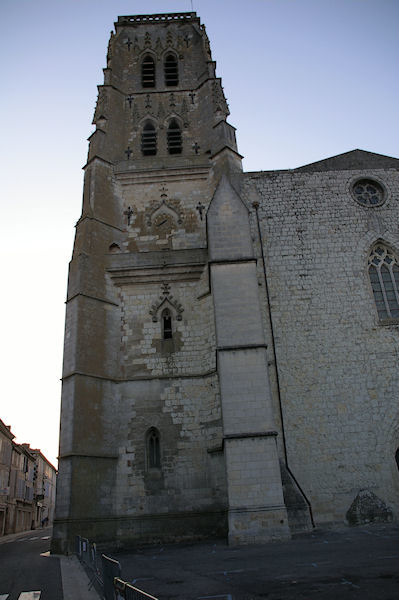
(153, 448)
(384, 278)
(368, 192)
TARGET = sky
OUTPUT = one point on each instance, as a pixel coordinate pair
(304, 79)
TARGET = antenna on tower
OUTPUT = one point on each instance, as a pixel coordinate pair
(192, 9)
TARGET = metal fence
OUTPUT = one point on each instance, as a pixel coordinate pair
(111, 569)
(126, 591)
(107, 579)
(87, 554)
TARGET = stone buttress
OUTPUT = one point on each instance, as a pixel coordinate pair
(256, 507)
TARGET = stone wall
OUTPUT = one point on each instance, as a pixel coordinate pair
(337, 364)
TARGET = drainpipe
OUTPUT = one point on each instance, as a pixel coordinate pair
(256, 207)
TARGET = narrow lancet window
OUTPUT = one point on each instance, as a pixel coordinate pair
(384, 279)
(171, 71)
(148, 72)
(174, 138)
(153, 449)
(149, 139)
(166, 324)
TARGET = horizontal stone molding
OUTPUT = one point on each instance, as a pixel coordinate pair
(91, 218)
(139, 377)
(243, 347)
(157, 267)
(232, 261)
(96, 298)
(252, 509)
(255, 434)
(97, 158)
(153, 516)
(81, 455)
(127, 176)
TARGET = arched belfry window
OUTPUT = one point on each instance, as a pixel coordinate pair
(149, 139)
(153, 447)
(166, 319)
(171, 70)
(174, 138)
(148, 72)
(384, 278)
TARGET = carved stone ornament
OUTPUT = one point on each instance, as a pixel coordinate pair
(163, 209)
(101, 109)
(166, 300)
(158, 48)
(219, 100)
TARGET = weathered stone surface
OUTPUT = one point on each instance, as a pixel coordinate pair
(368, 508)
(230, 314)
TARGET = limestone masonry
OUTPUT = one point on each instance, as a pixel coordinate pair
(231, 340)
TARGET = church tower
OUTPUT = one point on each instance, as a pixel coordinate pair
(167, 429)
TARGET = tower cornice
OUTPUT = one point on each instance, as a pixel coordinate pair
(156, 18)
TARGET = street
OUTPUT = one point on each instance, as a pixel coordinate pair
(25, 566)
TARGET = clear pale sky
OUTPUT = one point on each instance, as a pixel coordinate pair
(305, 79)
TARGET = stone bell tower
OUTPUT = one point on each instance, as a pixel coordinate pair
(166, 422)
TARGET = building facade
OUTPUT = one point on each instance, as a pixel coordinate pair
(44, 483)
(27, 486)
(6, 444)
(20, 510)
(231, 338)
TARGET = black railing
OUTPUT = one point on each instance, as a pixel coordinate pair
(126, 591)
(105, 574)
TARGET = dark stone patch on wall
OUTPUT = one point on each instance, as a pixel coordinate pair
(368, 508)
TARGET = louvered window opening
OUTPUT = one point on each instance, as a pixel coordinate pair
(174, 138)
(148, 72)
(171, 71)
(384, 279)
(149, 140)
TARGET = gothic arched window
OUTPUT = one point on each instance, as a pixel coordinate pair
(148, 72)
(149, 139)
(153, 447)
(384, 278)
(171, 70)
(166, 319)
(173, 136)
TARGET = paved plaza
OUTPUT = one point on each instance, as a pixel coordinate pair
(356, 563)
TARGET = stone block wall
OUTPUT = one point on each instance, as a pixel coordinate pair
(337, 363)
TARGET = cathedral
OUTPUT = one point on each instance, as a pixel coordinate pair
(231, 338)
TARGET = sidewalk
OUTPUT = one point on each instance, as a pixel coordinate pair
(75, 582)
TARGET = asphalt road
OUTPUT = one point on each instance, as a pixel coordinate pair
(25, 567)
(359, 563)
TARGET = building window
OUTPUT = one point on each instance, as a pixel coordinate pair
(171, 70)
(368, 192)
(384, 278)
(166, 324)
(149, 139)
(153, 449)
(174, 138)
(148, 72)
